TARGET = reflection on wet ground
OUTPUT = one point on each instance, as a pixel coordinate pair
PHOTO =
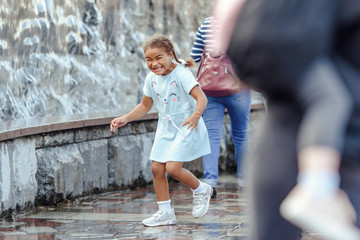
(118, 215)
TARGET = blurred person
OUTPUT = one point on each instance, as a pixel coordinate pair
(238, 106)
(305, 57)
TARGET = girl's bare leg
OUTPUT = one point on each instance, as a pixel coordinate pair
(160, 181)
(165, 215)
(176, 170)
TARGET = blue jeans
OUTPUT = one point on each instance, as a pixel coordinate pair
(238, 106)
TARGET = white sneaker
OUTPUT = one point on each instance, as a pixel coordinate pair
(161, 217)
(332, 218)
(201, 201)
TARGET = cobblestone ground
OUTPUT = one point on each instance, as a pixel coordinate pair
(118, 215)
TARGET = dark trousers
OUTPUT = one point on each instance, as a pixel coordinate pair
(274, 44)
(273, 170)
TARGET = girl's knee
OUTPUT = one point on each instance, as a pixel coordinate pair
(157, 168)
(173, 170)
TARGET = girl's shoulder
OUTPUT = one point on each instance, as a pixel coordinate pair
(181, 69)
(185, 72)
(149, 76)
(184, 76)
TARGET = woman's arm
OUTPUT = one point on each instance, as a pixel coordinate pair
(201, 102)
(226, 12)
(198, 45)
(140, 110)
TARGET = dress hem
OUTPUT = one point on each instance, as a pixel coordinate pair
(173, 160)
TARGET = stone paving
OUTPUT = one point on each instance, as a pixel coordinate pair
(118, 215)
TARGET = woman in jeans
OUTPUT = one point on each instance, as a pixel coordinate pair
(237, 105)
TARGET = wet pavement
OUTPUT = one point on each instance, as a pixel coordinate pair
(118, 215)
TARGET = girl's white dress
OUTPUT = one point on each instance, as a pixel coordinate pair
(171, 97)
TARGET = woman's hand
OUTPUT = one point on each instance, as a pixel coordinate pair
(117, 122)
(192, 122)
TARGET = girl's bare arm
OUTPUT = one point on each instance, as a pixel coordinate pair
(140, 110)
(201, 102)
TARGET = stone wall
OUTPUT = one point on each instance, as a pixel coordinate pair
(47, 168)
(64, 57)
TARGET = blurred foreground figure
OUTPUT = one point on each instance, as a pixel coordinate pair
(304, 55)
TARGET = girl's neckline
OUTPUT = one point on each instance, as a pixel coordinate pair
(170, 72)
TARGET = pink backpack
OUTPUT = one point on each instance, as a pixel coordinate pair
(216, 75)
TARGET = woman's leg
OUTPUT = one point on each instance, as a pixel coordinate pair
(316, 203)
(322, 93)
(238, 106)
(213, 118)
(160, 181)
(350, 183)
(321, 138)
(273, 170)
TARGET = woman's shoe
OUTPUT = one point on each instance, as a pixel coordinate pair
(333, 218)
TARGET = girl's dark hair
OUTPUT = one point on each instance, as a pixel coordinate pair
(160, 41)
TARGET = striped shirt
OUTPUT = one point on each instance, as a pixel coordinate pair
(204, 35)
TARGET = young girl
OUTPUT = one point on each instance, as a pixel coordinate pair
(172, 89)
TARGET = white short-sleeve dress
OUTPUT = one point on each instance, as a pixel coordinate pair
(172, 99)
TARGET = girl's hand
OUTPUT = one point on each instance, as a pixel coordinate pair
(192, 122)
(117, 122)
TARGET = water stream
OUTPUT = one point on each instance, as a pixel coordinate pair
(64, 57)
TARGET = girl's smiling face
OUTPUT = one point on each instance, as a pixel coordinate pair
(159, 61)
